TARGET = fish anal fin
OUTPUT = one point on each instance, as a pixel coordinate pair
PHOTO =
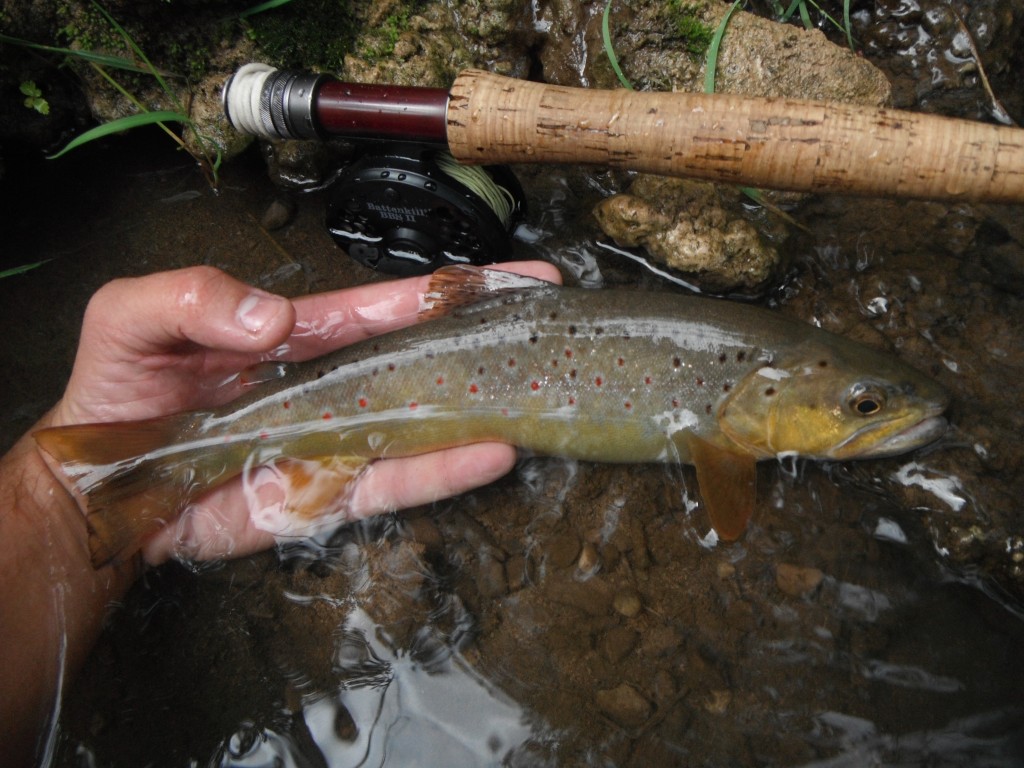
(299, 497)
(462, 286)
(728, 481)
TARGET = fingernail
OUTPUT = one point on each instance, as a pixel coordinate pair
(256, 310)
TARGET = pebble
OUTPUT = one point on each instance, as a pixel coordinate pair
(278, 214)
(561, 551)
(589, 561)
(624, 705)
(627, 602)
(796, 580)
(617, 642)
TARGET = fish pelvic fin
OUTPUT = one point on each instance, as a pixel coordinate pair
(728, 485)
(125, 487)
(462, 286)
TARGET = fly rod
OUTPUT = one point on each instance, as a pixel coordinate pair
(786, 144)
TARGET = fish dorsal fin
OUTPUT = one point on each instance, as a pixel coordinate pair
(727, 481)
(461, 287)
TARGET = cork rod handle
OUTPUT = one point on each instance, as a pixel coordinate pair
(772, 143)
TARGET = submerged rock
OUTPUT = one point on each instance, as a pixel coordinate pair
(685, 225)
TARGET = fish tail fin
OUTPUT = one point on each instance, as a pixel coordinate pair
(125, 487)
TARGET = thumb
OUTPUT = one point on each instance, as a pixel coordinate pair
(202, 305)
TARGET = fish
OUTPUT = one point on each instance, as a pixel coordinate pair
(608, 375)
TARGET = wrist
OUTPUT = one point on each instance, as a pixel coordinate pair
(53, 602)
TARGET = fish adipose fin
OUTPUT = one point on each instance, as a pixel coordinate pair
(115, 473)
(460, 287)
(727, 481)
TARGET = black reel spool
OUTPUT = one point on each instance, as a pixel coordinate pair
(408, 210)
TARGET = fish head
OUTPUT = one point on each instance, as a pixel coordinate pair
(831, 398)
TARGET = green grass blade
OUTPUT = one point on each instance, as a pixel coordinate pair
(847, 27)
(23, 268)
(114, 62)
(122, 124)
(606, 37)
(791, 10)
(267, 6)
(130, 42)
(716, 43)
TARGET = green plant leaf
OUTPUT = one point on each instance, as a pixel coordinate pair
(716, 43)
(267, 6)
(23, 268)
(606, 37)
(122, 124)
(114, 62)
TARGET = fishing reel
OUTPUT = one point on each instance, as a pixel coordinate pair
(408, 209)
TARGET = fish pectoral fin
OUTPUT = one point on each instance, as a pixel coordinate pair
(727, 481)
(300, 497)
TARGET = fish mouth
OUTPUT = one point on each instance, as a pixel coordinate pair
(921, 432)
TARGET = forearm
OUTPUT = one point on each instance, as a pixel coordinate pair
(52, 603)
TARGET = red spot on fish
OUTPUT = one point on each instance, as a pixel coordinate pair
(572, 401)
(534, 385)
(647, 380)
(628, 405)
(473, 389)
(286, 404)
(511, 362)
(391, 366)
(327, 415)
(413, 405)
(504, 411)
(598, 381)
(675, 403)
(621, 362)
(572, 374)
(568, 354)
(700, 382)
(440, 380)
(362, 402)
(264, 436)
(554, 363)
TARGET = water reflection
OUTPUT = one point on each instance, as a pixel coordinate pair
(390, 710)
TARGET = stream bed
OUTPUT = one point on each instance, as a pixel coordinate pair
(571, 614)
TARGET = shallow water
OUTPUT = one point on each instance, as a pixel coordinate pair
(571, 614)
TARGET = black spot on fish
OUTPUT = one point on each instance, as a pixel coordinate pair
(726, 387)
(534, 338)
(553, 316)
(572, 330)
(482, 321)
(572, 374)
(722, 357)
(823, 363)
(707, 409)
(700, 382)
(676, 362)
(480, 371)
(430, 355)
(598, 330)
(741, 356)
(770, 391)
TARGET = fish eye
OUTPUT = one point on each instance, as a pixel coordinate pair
(866, 402)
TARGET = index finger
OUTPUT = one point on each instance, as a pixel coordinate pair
(327, 321)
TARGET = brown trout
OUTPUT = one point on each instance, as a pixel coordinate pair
(609, 375)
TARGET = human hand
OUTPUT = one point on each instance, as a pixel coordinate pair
(176, 341)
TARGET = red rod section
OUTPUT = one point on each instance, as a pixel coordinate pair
(397, 112)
